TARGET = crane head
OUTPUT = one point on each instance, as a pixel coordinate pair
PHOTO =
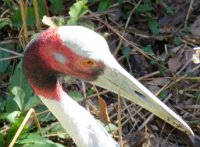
(82, 53)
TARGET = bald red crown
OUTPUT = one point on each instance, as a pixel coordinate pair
(47, 57)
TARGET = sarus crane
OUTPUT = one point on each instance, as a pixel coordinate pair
(81, 53)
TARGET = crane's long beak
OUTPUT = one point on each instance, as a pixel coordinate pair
(119, 81)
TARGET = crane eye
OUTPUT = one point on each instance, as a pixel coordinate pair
(88, 62)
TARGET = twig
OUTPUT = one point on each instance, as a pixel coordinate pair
(184, 77)
(46, 8)
(129, 111)
(83, 89)
(119, 120)
(186, 64)
(9, 58)
(37, 16)
(188, 13)
(161, 89)
(27, 117)
(94, 95)
(23, 14)
(148, 75)
(9, 51)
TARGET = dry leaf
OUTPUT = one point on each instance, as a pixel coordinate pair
(49, 21)
(173, 64)
(195, 27)
(103, 114)
(194, 37)
(159, 81)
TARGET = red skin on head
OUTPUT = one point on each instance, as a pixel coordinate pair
(42, 68)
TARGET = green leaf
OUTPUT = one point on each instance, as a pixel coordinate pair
(61, 21)
(2, 142)
(4, 64)
(148, 49)
(145, 6)
(35, 140)
(22, 91)
(4, 22)
(41, 6)
(18, 79)
(186, 29)
(90, 92)
(56, 128)
(10, 105)
(19, 97)
(11, 117)
(13, 128)
(35, 35)
(104, 5)
(154, 26)
(111, 127)
(76, 95)
(46, 116)
(32, 138)
(153, 62)
(77, 10)
(31, 102)
(176, 40)
(162, 71)
(163, 94)
(4, 54)
(17, 19)
(126, 52)
(56, 6)
(169, 10)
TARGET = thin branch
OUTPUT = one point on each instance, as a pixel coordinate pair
(9, 51)
(37, 16)
(23, 14)
(27, 117)
(188, 13)
(119, 120)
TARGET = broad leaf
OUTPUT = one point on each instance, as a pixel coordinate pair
(148, 50)
(18, 79)
(154, 26)
(77, 96)
(145, 6)
(11, 117)
(17, 19)
(4, 22)
(2, 142)
(126, 52)
(35, 140)
(104, 5)
(19, 97)
(77, 10)
(22, 91)
(4, 64)
(56, 6)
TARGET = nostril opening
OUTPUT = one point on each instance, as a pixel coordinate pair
(140, 95)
